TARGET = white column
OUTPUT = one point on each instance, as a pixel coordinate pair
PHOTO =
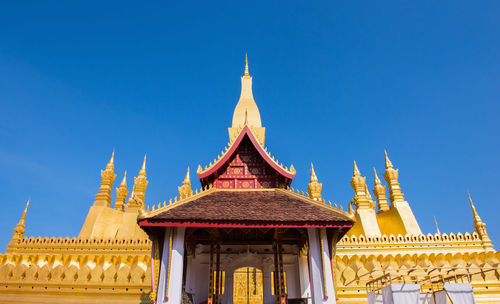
(316, 269)
(176, 268)
(330, 288)
(189, 275)
(305, 284)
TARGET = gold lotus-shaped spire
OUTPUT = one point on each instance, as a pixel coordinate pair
(314, 188)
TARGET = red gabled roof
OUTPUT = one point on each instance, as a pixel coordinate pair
(227, 156)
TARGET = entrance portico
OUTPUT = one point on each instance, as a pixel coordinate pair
(248, 256)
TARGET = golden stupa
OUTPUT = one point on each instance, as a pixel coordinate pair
(110, 260)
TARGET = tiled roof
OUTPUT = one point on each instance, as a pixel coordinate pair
(265, 206)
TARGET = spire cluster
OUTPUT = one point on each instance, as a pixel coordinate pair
(362, 196)
(103, 197)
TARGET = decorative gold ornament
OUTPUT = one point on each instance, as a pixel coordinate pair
(314, 187)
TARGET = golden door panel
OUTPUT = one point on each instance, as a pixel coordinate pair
(248, 287)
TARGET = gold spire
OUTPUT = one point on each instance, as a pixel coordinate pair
(121, 193)
(437, 227)
(139, 190)
(358, 183)
(388, 163)
(143, 168)
(314, 188)
(355, 171)
(480, 227)
(111, 164)
(103, 197)
(124, 180)
(185, 190)
(377, 180)
(391, 177)
(246, 65)
(187, 179)
(19, 230)
(379, 192)
(314, 178)
(246, 111)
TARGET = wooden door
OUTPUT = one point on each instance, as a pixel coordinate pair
(248, 286)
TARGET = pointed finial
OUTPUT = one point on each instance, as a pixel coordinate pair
(314, 188)
(356, 170)
(23, 217)
(377, 180)
(437, 227)
(246, 118)
(185, 190)
(388, 163)
(246, 65)
(143, 169)
(314, 178)
(474, 212)
(187, 179)
(379, 192)
(124, 180)
(480, 227)
(111, 164)
(121, 194)
(103, 197)
(19, 230)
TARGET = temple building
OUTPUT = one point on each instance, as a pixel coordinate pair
(246, 236)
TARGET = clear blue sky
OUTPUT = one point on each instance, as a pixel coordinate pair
(335, 81)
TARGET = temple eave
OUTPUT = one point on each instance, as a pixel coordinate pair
(243, 224)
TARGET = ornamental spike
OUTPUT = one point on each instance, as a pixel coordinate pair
(356, 170)
(19, 230)
(143, 168)
(480, 227)
(187, 179)
(111, 163)
(388, 163)
(314, 178)
(246, 65)
(103, 197)
(377, 180)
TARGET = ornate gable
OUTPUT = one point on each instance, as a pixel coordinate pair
(246, 165)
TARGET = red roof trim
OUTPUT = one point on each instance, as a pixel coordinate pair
(246, 224)
(246, 130)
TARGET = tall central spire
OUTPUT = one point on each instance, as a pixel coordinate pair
(246, 65)
(246, 112)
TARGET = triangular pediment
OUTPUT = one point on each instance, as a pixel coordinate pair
(246, 165)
